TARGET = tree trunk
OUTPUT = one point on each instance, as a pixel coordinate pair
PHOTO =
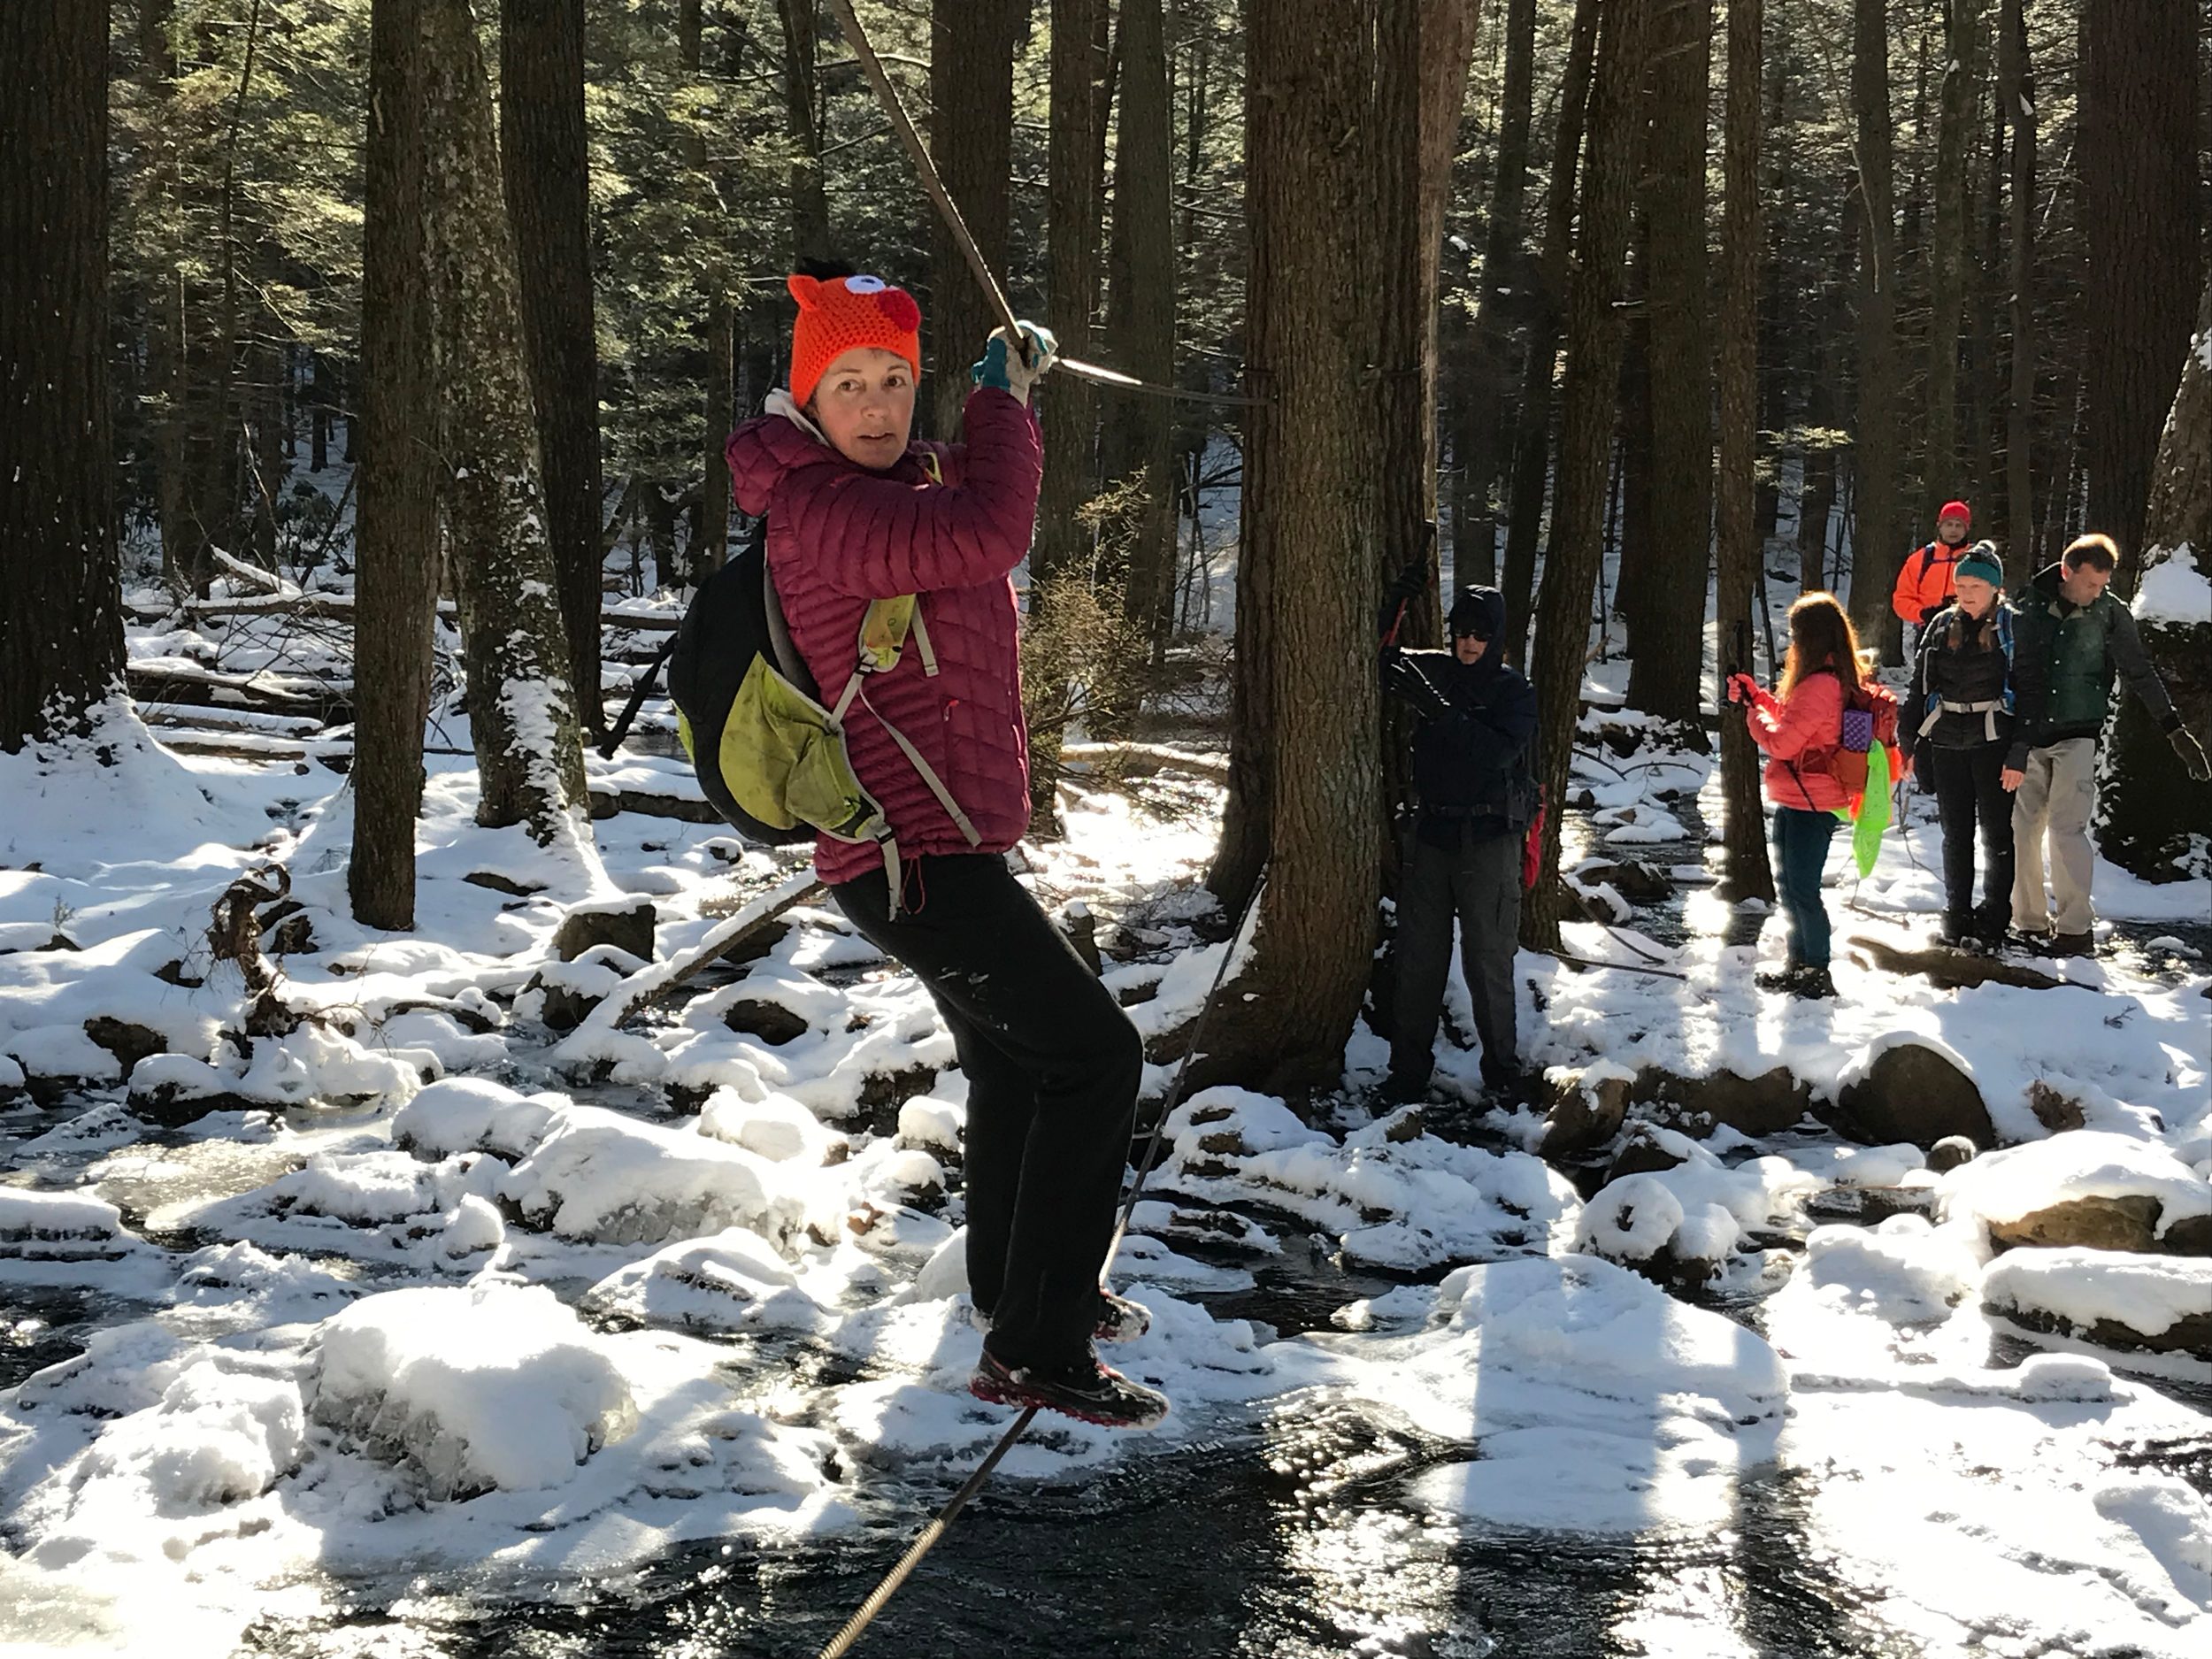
(1303, 777)
(2141, 199)
(1946, 268)
(522, 715)
(1474, 523)
(1533, 449)
(1139, 432)
(547, 164)
(396, 516)
(1986, 397)
(2017, 87)
(810, 201)
(1593, 366)
(1069, 409)
(1744, 872)
(710, 523)
(61, 603)
(1666, 675)
(2149, 809)
(970, 140)
(1874, 551)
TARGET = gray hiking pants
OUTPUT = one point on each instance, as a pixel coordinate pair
(2054, 803)
(1479, 884)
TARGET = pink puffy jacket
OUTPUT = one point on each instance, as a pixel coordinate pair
(1795, 732)
(840, 535)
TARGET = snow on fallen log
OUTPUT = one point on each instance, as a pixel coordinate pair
(1139, 759)
(587, 1043)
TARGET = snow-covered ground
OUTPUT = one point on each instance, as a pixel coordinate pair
(439, 1284)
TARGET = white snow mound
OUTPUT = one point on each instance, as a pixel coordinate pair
(609, 1179)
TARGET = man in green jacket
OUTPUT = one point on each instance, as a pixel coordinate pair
(2071, 640)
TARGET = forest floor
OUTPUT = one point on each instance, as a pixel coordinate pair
(409, 1309)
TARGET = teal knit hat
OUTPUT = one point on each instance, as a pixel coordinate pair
(1981, 560)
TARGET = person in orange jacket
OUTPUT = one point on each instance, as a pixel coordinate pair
(1925, 582)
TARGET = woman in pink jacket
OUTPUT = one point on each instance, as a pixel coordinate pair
(857, 510)
(1799, 728)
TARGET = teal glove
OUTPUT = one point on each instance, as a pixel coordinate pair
(1002, 366)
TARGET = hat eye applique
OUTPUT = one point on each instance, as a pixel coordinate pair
(865, 285)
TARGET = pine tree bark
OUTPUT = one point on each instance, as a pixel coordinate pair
(61, 608)
(1532, 453)
(2017, 87)
(2149, 809)
(522, 714)
(1069, 410)
(1139, 439)
(1874, 551)
(1666, 672)
(547, 167)
(1745, 871)
(396, 516)
(711, 522)
(810, 201)
(1946, 254)
(1585, 442)
(1474, 517)
(970, 140)
(1304, 775)
(2140, 188)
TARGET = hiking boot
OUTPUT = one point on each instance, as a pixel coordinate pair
(1779, 978)
(1957, 931)
(2070, 945)
(1087, 1390)
(1398, 1089)
(1814, 984)
(1120, 1319)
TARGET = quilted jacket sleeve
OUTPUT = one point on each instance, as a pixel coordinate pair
(875, 537)
(1811, 716)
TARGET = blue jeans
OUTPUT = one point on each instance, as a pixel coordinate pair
(1800, 847)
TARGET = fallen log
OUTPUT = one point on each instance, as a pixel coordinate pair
(322, 701)
(607, 802)
(1138, 760)
(1949, 970)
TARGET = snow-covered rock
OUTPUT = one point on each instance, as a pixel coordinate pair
(219, 1435)
(2109, 1297)
(609, 1179)
(58, 1227)
(464, 1114)
(776, 1126)
(2087, 1186)
(469, 1389)
(1683, 1222)
(1904, 1270)
(729, 1282)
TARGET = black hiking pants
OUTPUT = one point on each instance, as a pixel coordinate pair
(1053, 1066)
(1479, 884)
(1969, 791)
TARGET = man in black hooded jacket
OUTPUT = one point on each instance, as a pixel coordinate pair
(1476, 796)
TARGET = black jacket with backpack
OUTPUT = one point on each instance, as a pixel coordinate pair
(1470, 749)
(1962, 694)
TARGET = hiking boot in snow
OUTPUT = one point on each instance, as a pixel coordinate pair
(2070, 945)
(1813, 984)
(1120, 1319)
(1956, 930)
(1087, 1390)
(1398, 1089)
(1778, 979)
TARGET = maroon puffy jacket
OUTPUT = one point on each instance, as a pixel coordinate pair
(840, 535)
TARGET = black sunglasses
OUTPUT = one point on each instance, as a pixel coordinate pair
(1472, 634)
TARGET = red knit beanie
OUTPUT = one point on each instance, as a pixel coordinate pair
(1951, 509)
(838, 314)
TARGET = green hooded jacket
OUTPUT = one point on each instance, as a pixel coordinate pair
(2065, 658)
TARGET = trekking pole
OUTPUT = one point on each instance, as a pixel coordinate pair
(926, 1539)
(911, 139)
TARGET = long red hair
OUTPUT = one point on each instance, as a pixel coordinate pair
(1821, 637)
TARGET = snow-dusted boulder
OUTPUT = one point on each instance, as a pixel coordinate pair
(776, 1126)
(466, 1114)
(2113, 1298)
(1910, 1087)
(1903, 1270)
(219, 1435)
(60, 1226)
(469, 1389)
(1683, 1223)
(2091, 1187)
(609, 1179)
(731, 1281)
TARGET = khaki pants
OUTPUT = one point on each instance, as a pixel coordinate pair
(2054, 797)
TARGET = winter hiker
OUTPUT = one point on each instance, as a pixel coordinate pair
(1475, 797)
(1799, 725)
(1924, 580)
(1956, 733)
(859, 512)
(2073, 640)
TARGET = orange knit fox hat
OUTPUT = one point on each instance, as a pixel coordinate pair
(839, 314)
